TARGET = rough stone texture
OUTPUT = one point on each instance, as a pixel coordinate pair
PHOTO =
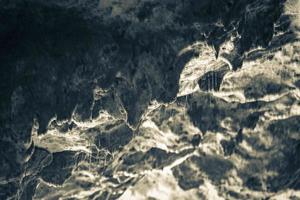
(92, 100)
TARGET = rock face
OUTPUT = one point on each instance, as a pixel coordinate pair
(148, 99)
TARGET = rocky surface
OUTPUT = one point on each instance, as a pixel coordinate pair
(147, 99)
